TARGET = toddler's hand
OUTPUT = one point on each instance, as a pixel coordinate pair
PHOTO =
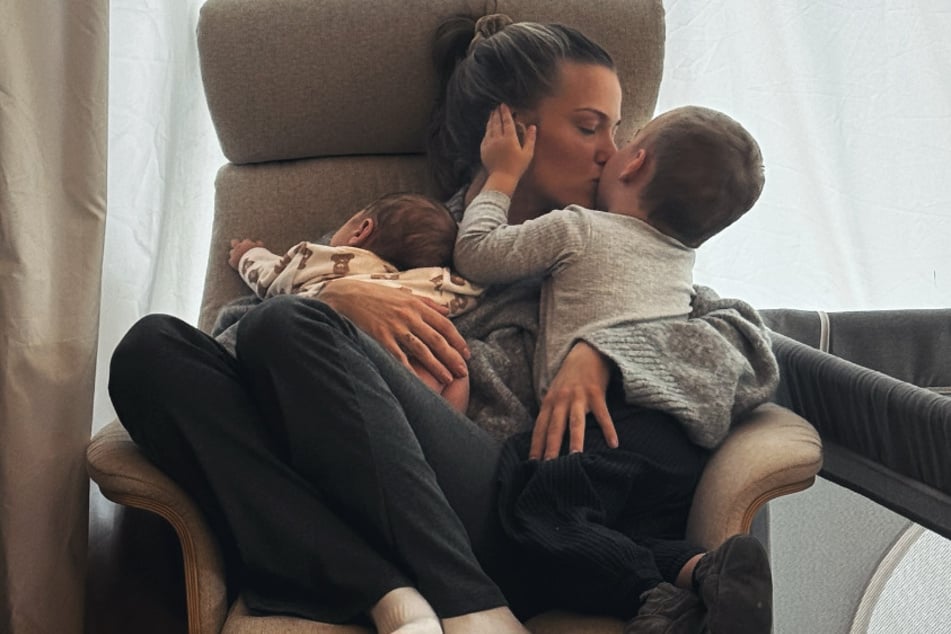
(239, 248)
(503, 155)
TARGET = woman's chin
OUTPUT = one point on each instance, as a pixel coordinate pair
(589, 200)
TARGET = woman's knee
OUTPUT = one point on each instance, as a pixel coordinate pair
(145, 342)
(146, 366)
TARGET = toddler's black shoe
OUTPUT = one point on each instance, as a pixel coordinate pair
(736, 586)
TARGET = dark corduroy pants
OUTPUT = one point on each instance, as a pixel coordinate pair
(603, 526)
(330, 474)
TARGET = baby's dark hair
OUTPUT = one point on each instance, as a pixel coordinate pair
(708, 171)
(411, 231)
(486, 62)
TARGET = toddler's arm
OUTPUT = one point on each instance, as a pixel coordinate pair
(504, 157)
(489, 250)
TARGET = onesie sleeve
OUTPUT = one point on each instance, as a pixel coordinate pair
(258, 268)
(305, 263)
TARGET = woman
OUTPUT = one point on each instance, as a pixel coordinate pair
(338, 484)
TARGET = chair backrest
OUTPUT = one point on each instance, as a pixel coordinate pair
(321, 106)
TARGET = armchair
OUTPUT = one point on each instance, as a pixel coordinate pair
(323, 106)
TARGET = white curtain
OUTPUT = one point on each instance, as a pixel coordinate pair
(851, 103)
(163, 155)
(53, 69)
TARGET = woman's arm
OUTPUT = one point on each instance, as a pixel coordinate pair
(405, 325)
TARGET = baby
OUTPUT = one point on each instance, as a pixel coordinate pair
(402, 240)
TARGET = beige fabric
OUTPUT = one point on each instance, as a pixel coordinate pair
(280, 86)
(52, 211)
(769, 453)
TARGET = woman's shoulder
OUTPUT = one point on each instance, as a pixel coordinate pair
(457, 204)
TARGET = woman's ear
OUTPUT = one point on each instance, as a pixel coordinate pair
(362, 233)
(523, 118)
(633, 166)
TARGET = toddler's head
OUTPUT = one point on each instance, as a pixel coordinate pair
(407, 230)
(701, 171)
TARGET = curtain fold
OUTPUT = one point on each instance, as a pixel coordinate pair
(53, 138)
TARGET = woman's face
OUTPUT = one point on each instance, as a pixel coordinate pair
(576, 127)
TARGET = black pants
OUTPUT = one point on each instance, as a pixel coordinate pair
(603, 526)
(330, 474)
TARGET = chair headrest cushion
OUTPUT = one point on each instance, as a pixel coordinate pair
(289, 79)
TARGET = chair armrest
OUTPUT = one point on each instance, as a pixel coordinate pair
(887, 439)
(127, 477)
(769, 453)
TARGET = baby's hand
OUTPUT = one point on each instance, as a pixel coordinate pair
(239, 248)
(503, 155)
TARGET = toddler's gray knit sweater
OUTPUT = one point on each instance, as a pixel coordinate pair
(600, 270)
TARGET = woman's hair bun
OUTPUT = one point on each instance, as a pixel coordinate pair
(487, 26)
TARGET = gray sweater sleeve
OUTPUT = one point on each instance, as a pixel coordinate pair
(490, 251)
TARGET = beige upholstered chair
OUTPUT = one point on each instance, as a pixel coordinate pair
(321, 106)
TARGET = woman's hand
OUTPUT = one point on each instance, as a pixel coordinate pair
(579, 387)
(406, 325)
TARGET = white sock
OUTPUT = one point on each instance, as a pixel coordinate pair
(497, 620)
(404, 611)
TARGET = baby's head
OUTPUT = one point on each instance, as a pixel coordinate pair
(407, 230)
(691, 171)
